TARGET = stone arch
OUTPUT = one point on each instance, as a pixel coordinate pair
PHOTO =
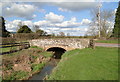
(58, 46)
(58, 51)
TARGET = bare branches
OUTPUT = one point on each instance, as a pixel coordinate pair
(103, 24)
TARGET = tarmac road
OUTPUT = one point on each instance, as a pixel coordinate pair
(107, 44)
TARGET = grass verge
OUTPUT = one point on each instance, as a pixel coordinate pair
(107, 41)
(87, 64)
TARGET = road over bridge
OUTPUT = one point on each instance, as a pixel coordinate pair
(66, 44)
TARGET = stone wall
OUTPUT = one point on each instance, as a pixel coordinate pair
(67, 43)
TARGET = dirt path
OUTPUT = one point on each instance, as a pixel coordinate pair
(107, 44)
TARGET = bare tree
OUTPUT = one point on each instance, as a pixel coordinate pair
(53, 34)
(20, 24)
(93, 30)
(105, 27)
(35, 28)
(61, 33)
(68, 34)
(106, 23)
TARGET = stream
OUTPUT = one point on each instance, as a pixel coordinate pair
(47, 69)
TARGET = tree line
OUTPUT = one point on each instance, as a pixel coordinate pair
(21, 29)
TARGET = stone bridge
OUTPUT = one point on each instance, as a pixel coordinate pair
(64, 43)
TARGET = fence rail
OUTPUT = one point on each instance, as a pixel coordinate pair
(8, 48)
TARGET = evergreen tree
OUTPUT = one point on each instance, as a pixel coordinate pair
(116, 30)
(3, 31)
(24, 29)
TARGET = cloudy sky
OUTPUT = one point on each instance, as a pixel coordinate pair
(53, 17)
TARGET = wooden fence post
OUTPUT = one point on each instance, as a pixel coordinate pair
(13, 47)
(92, 43)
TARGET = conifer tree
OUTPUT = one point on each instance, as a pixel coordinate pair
(116, 30)
(3, 31)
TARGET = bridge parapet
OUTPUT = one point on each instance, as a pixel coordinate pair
(67, 43)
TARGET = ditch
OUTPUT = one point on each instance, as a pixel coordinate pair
(58, 52)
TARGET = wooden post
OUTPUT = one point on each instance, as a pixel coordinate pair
(92, 43)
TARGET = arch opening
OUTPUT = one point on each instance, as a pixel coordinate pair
(58, 52)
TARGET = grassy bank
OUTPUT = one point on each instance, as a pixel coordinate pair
(25, 63)
(87, 64)
(107, 41)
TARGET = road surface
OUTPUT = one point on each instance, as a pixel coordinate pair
(107, 44)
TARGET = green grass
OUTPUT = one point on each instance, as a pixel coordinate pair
(8, 49)
(87, 64)
(37, 67)
(17, 75)
(107, 41)
(44, 53)
(5, 49)
(36, 47)
(0, 78)
(33, 53)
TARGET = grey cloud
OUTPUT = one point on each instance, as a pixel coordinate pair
(72, 6)
(19, 10)
(76, 6)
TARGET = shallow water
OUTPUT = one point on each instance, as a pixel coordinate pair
(46, 70)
